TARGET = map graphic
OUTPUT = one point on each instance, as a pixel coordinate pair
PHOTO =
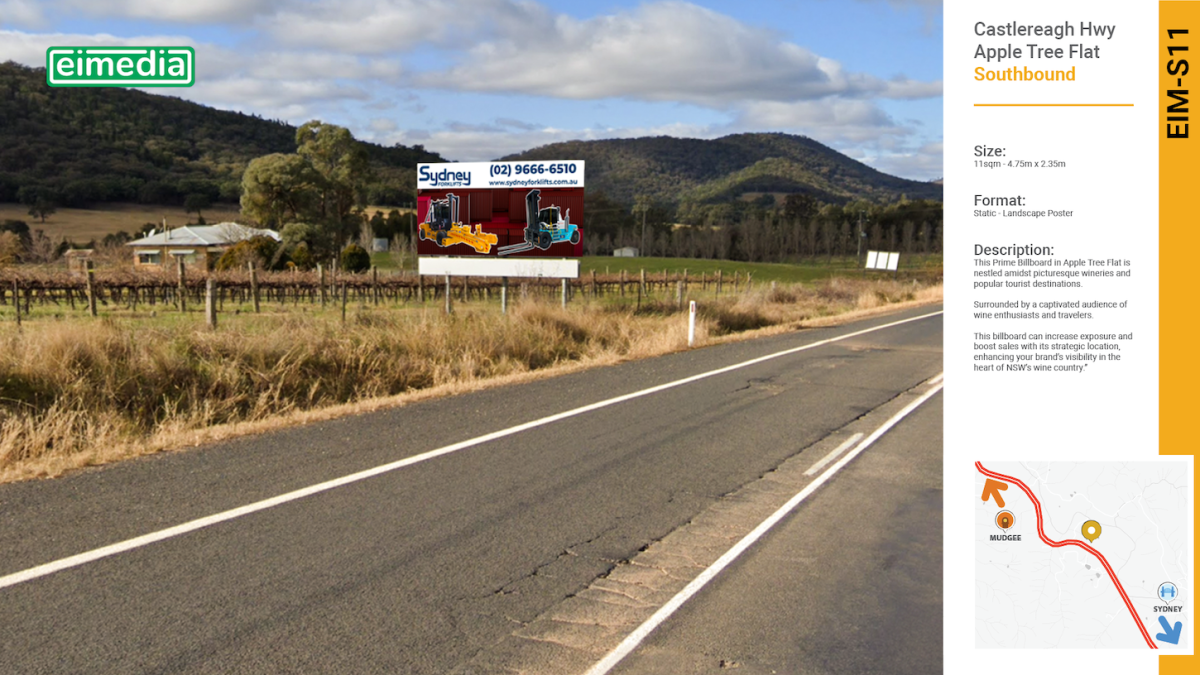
(1079, 555)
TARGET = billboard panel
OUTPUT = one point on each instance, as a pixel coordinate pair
(500, 209)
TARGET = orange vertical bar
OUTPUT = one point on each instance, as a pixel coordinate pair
(1179, 239)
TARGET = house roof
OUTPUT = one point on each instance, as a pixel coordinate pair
(220, 234)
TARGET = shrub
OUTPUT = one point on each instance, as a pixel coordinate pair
(355, 259)
(258, 250)
(302, 257)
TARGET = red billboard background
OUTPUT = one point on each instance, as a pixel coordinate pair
(501, 212)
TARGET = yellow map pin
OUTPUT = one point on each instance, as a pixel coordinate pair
(1091, 530)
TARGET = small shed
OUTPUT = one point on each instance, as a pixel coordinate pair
(626, 252)
(77, 259)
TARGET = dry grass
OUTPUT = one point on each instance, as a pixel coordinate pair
(76, 393)
(83, 225)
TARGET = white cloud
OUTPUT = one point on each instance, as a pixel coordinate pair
(663, 51)
(251, 94)
(21, 13)
(383, 125)
(390, 26)
(923, 163)
(195, 11)
(30, 48)
(829, 120)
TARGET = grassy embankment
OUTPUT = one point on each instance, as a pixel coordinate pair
(76, 391)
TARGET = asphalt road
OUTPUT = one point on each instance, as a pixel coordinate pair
(830, 589)
(432, 566)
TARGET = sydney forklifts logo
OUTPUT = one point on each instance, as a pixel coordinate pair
(445, 177)
(120, 66)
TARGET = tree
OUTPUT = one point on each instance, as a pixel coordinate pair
(278, 189)
(195, 202)
(10, 248)
(41, 201)
(321, 185)
(42, 208)
(341, 163)
(43, 250)
(641, 205)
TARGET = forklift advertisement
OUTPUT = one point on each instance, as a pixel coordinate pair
(500, 209)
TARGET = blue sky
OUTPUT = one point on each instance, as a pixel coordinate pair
(477, 79)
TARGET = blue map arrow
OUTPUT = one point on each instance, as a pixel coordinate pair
(1172, 634)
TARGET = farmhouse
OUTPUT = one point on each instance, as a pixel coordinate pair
(196, 244)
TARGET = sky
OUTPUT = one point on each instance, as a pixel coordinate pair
(478, 79)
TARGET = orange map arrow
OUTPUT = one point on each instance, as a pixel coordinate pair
(992, 488)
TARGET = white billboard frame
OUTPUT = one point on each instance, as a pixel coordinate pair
(533, 268)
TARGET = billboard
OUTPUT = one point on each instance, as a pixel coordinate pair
(500, 209)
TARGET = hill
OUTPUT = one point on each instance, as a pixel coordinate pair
(99, 145)
(682, 170)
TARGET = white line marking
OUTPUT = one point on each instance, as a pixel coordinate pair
(193, 525)
(635, 638)
(836, 451)
(936, 379)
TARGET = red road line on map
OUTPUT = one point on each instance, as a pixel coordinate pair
(1072, 542)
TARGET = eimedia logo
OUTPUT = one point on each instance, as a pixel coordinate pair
(120, 66)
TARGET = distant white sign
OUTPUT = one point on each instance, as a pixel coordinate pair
(883, 260)
(482, 175)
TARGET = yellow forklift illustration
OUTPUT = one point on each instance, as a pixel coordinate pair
(443, 227)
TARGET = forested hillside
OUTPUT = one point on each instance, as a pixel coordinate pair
(88, 146)
(688, 172)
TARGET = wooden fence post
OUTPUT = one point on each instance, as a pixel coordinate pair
(91, 286)
(375, 284)
(343, 302)
(321, 282)
(254, 287)
(182, 287)
(210, 303)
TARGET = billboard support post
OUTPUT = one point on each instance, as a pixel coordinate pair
(504, 295)
(449, 308)
(565, 290)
